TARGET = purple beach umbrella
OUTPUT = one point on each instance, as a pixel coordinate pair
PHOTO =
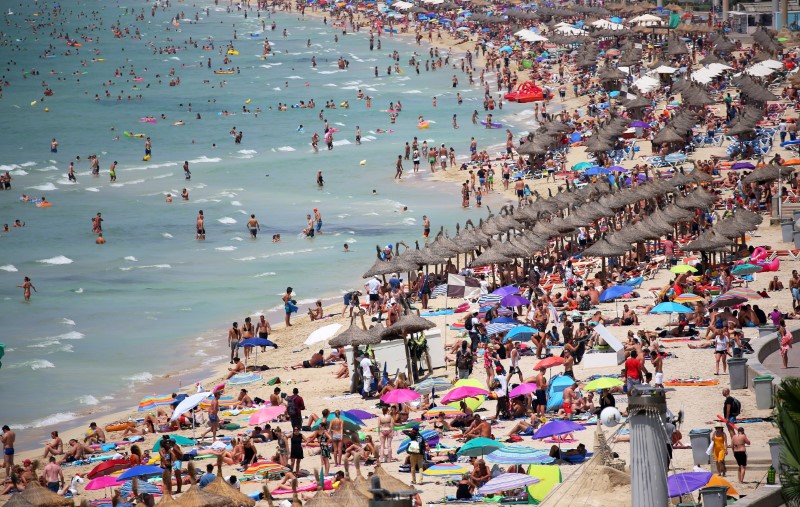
(556, 428)
(360, 414)
(506, 291)
(640, 124)
(514, 300)
(686, 482)
(743, 165)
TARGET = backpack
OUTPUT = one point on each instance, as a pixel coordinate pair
(413, 447)
(464, 360)
(585, 304)
(291, 406)
(736, 407)
(468, 324)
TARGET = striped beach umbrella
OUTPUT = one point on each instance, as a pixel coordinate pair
(687, 297)
(507, 482)
(431, 438)
(446, 410)
(264, 468)
(151, 402)
(241, 379)
(439, 290)
(744, 292)
(142, 487)
(489, 299)
(428, 385)
(500, 327)
(520, 455)
(727, 301)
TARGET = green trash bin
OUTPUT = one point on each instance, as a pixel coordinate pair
(689, 504)
(763, 387)
(737, 367)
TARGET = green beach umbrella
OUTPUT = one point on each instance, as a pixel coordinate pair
(581, 166)
(683, 268)
(350, 423)
(177, 439)
(602, 383)
(479, 447)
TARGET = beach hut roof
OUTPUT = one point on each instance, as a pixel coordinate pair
(354, 336)
(220, 487)
(17, 501)
(407, 324)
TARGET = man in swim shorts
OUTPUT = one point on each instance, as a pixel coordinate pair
(318, 219)
(426, 226)
(738, 442)
(201, 228)
(234, 337)
(7, 438)
(213, 416)
(95, 435)
(253, 226)
(315, 361)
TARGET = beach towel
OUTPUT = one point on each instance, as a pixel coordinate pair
(691, 382)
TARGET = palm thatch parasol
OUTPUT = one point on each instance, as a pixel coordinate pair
(382, 267)
(489, 257)
(321, 499)
(359, 481)
(407, 324)
(604, 248)
(167, 500)
(347, 494)
(701, 177)
(708, 242)
(389, 482)
(39, 496)
(17, 501)
(220, 486)
(768, 173)
(354, 336)
(197, 497)
(668, 135)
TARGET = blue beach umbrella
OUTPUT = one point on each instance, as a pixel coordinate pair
(614, 292)
(596, 171)
(521, 334)
(506, 49)
(139, 471)
(670, 307)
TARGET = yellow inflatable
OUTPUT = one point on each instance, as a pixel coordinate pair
(146, 158)
(247, 101)
(233, 52)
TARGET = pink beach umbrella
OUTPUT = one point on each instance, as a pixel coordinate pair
(522, 390)
(106, 481)
(400, 396)
(460, 393)
(266, 414)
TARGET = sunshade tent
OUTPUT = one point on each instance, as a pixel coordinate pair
(106, 481)
(479, 447)
(139, 471)
(523, 389)
(188, 404)
(520, 333)
(463, 392)
(400, 396)
(266, 414)
(614, 292)
(350, 423)
(428, 385)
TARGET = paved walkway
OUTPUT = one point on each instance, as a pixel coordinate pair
(773, 363)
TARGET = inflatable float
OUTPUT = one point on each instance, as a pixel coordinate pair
(423, 125)
(148, 120)
(233, 52)
(43, 204)
(120, 426)
(691, 382)
(131, 134)
(223, 72)
(526, 92)
(146, 158)
(759, 258)
(492, 125)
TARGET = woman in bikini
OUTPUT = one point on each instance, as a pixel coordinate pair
(248, 331)
(386, 429)
(365, 451)
(337, 435)
(283, 447)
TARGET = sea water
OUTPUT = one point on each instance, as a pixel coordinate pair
(107, 323)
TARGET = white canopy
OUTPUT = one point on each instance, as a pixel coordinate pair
(759, 70)
(703, 76)
(719, 67)
(646, 84)
(665, 69)
(569, 30)
(530, 36)
(402, 6)
(604, 23)
(646, 19)
(772, 64)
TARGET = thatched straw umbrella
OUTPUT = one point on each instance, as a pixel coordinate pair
(321, 499)
(167, 500)
(220, 486)
(354, 337)
(17, 501)
(604, 249)
(388, 482)
(347, 494)
(768, 173)
(382, 267)
(197, 497)
(38, 496)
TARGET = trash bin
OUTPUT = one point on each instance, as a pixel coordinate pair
(714, 496)
(689, 504)
(797, 239)
(763, 387)
(700, 440)
(787, 230)
(775, 446)
(737, 367)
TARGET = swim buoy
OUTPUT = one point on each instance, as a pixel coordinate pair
(423, 125)
(363, 162)
(247, 101)
(33, 103)
(146, 158)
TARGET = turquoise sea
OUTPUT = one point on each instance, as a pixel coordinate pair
(107, 322)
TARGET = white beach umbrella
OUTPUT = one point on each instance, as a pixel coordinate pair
(719, 67)
(189, 403)
(759, 70)
(645, 19)
(772, 64)
(646, 84)
(323, 334)
(664, 69)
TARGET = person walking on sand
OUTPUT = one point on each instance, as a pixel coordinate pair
(253, 226)
(739, 443)
(386, 427)
(26, 287)
(296, 449)
(213, 417)
(234, 337)
(719, 449)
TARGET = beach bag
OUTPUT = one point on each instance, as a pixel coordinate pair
(585, 304)
(413, 447)
(464, 360)
(736, 407)
(468, 324)
(291, 406)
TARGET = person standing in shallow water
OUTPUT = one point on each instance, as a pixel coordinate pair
(253, 226)
(26, 287)
(289, 305)
(201, 228)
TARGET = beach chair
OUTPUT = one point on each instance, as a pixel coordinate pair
(635, 282)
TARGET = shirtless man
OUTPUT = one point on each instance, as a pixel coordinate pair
(318, 219)
(95, 435)
(629, 317)
(26, 287)
(100, 240)
(54, 448)
(53, 475)
(480, 428)
(541, 392)
(658, 365)
(317, 359)
(7, 438)
(253, 226)
(213, 414)
(569, 399)
(426, 227)
(76, 452)
(234, 337)
(519, 187)
(201, 228)
(738, 443)
(238, 367)
(97, 224)
(263, 330)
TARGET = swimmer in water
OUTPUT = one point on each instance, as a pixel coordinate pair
(346, 248)
(320, 181)
(169, 198)
(185, 194)
(26, 287)
(100, 239)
